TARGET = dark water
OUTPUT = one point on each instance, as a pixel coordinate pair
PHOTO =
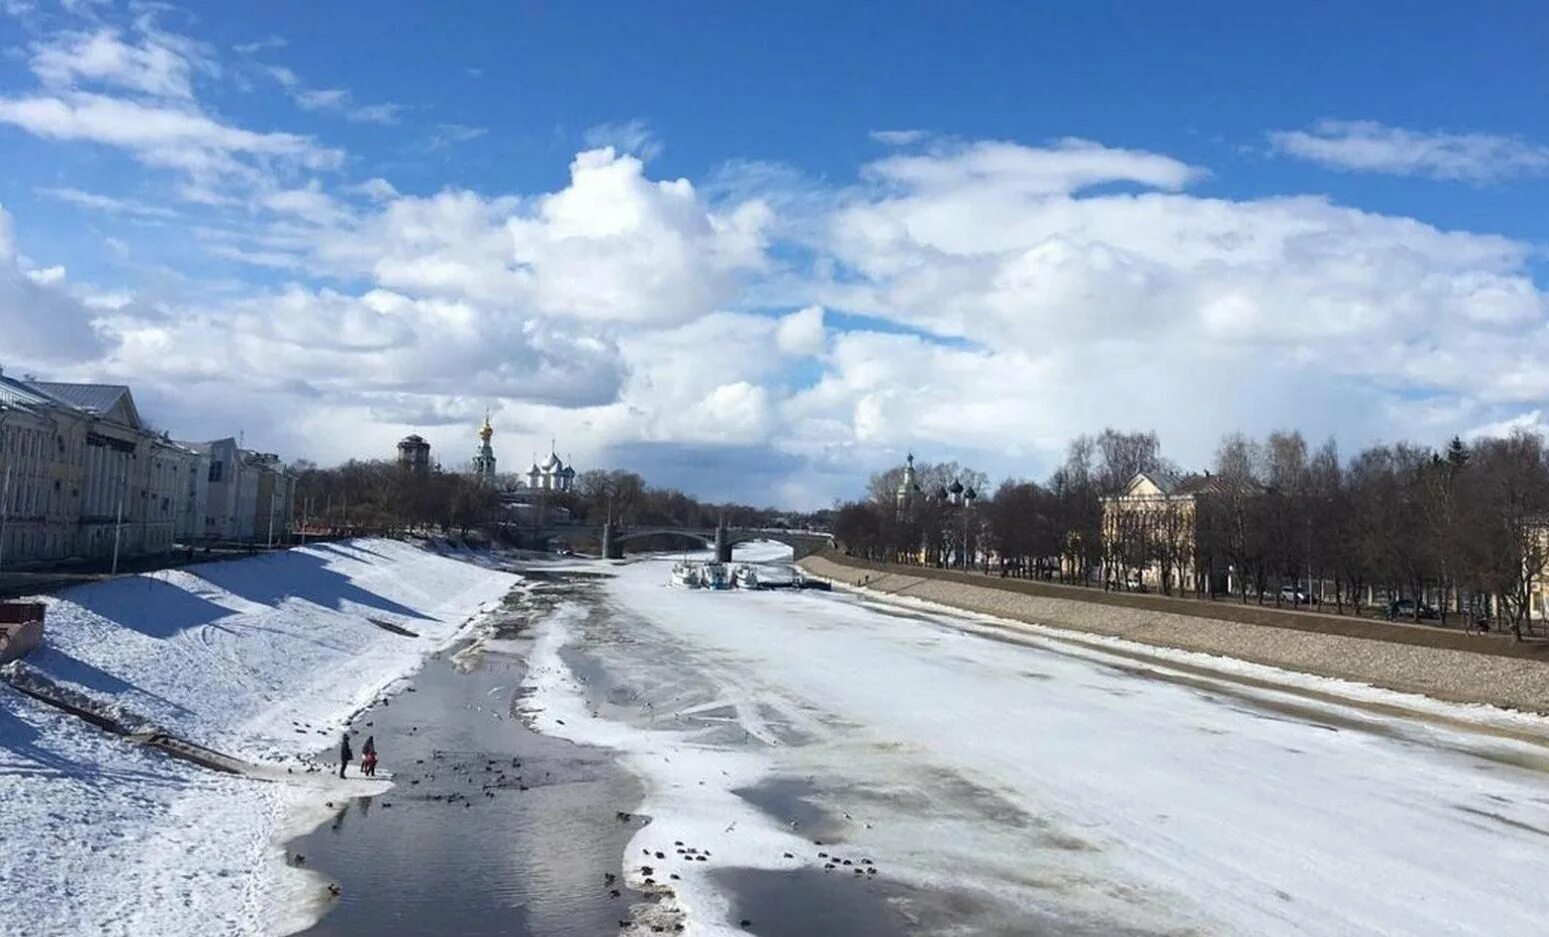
(490, 828)
(789, 801)
(807, 903)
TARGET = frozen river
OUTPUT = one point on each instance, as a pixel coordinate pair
(1004, 782)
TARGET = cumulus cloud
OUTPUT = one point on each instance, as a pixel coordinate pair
(801, 332)
(613, 247)
(984, 300)
(41, 321)
(1047, 312)
(1368, 146)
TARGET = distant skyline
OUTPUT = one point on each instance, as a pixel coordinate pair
(758, 252)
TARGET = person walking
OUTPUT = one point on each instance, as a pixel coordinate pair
(368, 757)
(344, 753)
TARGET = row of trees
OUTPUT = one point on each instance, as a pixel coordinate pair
(1464, 529)
(383, 497)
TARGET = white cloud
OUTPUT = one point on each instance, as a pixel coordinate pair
(1153, 309)
(261, 45)
(319, 99)
(153, 67)
(614, 246)
(801, 332)
(108, 203)
(611, 247)
(1068, 166)
(633, 137)
(165, 136)
(1368, 146)
(42, 322)
(447, 135)
(1023, 294)
(899, 137)
(285, 76)
(340, 101)
(1532, 421)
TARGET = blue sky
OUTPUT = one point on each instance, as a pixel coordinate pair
(767, 249)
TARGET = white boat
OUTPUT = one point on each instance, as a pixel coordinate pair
(714, 576)
(746, 577)
(685, 574)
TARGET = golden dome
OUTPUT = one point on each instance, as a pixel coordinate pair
(486, 431)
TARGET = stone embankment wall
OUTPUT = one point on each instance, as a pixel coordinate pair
(1447, 665)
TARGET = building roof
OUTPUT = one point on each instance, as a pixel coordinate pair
(14, 393)
(97, 399)
(1173, 485)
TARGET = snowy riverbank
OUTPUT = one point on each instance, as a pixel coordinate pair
(263, 659)
(1441, 673)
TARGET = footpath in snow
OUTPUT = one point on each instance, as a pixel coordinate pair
(263, 659)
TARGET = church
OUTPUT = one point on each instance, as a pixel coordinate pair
(551, 475)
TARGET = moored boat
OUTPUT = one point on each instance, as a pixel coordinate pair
(685, 574)
(714, 576)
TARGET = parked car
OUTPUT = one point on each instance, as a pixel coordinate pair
(1405, 608)
(1291, 595)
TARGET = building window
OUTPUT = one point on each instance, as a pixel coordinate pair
(215, 470)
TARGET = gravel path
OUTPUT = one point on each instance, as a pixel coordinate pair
(1458, 676)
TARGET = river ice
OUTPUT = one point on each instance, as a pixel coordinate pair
(1045, 785)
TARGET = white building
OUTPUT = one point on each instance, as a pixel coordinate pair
(552, 475)
(132, 478)
(246, 497)
(81, 475)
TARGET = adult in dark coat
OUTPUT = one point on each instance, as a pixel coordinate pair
(344, 753)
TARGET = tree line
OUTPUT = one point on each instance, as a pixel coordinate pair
(1461, 531)
(382, 497)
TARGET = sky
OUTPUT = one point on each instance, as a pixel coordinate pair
(758, 252)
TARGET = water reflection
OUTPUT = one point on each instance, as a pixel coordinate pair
(489, 829)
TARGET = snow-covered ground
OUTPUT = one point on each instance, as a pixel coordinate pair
(263, 659)
(1071, 788)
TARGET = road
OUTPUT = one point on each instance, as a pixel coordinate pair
(1001, 782)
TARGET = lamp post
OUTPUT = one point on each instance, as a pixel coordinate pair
(963, 497)
(5, 486)
(970, 496)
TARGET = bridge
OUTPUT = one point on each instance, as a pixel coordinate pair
(612, 538)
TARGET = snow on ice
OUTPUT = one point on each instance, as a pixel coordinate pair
(264, 659)
(1088, 792)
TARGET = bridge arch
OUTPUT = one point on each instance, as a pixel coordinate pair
(707, 541)
(721, 539)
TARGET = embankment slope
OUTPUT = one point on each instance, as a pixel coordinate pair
(1438, 667)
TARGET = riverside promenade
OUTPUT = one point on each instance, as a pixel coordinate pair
(1442, 664)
